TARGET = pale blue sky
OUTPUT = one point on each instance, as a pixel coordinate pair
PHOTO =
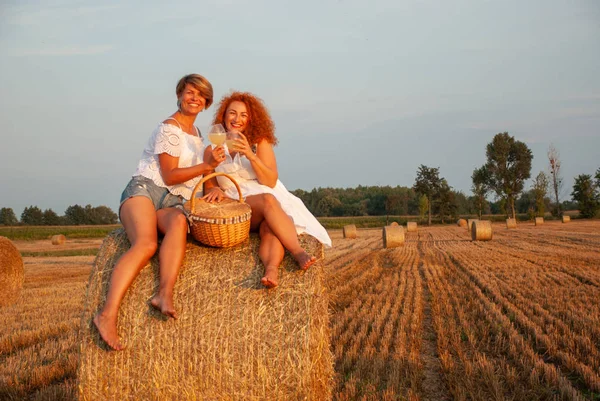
(362, 93)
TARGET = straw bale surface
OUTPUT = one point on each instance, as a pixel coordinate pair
(411, 227)
(393, 223)
(393, 236)
(511, 223)
(234, 340)
(566, 219)
(58, 239)
(11, 272)
(539, 221)
(461, 223)
(349, 231)
(481, 230)
(470, 223)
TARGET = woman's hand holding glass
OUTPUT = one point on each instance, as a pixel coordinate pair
(217, 135)
(237, 142)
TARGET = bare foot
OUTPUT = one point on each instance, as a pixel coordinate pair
(269, 280)
(107, 327)
(304, 260)
(164, 304)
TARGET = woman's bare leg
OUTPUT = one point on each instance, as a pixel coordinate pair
(139, 220)
(267, 207)
(173, 224)
(271, 253)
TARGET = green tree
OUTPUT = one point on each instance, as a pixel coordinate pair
(7, 217)
(480, 188)
(104, 215)
(446, 201)
(32, 216)
(555, 177)
(75, 215)
(509, 165)
(428, 183)
(540, 189)
(50, 218)
(423, 206)
(585, 193)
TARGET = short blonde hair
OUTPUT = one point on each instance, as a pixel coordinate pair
(198, 82)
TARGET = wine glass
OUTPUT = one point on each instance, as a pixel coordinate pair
(216, 134)
(230, 141)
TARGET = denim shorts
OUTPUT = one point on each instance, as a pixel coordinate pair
(160, 197)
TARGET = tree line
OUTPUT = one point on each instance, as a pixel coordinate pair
(74, 215)
(503, 176)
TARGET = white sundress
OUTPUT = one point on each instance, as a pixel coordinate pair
(167, 138)
(241, 170)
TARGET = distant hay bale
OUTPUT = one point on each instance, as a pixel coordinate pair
(566, 219)
(58, 239)
(470, 223)
(350, 231)
(411, 227)
(539, 221)
(461, 223)
(393, 236)
(393, 223)
(11, 272)
(234, 340)
(511, 223)
(481, 230)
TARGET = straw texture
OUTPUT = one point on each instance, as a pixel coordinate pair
(566, 219)
(511, 223)
(393, 223)
(234, 340)
(393, 236)
(11, 272)
(461, 223)
(481, 230)
(539, 221)
(411, 227)
(470, 223)
(350, 231)
(58, 239)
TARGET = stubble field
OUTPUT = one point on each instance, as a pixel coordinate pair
(441, 318)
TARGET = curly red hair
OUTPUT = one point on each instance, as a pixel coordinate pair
(260, 124)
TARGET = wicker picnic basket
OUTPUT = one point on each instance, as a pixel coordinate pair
(222, 224)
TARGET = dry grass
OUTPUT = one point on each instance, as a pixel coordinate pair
(481, 230)
(393, 236)
(349, 231)
(411, 227)
(440, 318)
(11, 272)
(233, 340)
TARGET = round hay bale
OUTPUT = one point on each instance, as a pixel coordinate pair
(234, 340)
(511, 223)
(393, 223)
(539, 221)
(350, 231)
(461, 223)
(11, 272)
(58, 239)
(393, 236)
(566, 219)
(470, 223)
(481, 230)
(411, 227)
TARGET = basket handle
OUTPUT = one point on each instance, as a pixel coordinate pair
(208, 177)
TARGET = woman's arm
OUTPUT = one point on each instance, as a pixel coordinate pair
(212, 191)
(172, 174)
(263, 162)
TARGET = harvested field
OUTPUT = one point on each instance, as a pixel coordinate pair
(440, 318)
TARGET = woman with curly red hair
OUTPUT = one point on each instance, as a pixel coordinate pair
(277, 214)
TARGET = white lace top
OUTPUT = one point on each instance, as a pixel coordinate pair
(170, 139)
